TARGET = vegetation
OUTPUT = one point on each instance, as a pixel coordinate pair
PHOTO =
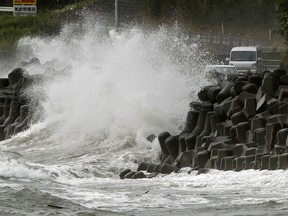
(237, 16)
(46, 23)
(282, 15)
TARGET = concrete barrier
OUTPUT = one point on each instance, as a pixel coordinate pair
(239, 124)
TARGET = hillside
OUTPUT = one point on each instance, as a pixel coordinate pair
(254, 19)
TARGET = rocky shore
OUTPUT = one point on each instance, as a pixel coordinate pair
(237, 124)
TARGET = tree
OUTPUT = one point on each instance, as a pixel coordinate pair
(282, 15)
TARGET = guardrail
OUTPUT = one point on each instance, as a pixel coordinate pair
(226, 40)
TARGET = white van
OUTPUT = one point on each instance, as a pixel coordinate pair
(246, 59)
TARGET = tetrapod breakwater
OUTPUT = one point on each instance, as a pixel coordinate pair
(239, 123)
(15, 111)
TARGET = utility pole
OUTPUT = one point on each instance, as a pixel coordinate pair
(116, 14)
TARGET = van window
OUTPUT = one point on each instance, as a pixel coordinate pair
(243, 56)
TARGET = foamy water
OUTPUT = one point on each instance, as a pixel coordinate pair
(106, 92)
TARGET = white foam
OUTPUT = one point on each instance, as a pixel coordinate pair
(120, 88)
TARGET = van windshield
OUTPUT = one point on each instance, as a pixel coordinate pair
(243, 56)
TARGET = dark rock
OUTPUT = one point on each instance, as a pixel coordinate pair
(143, 166)
(123, 173)
(129, 175)
(167, 169)
(139, 175)
(15, 76)
(161, 138)
(151, 138)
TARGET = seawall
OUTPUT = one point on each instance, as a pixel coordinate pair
(15, 112)
(237, 124)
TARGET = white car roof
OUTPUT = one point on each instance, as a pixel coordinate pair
(226, 66)
(244, 49)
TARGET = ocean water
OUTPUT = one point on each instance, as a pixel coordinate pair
(104, 93)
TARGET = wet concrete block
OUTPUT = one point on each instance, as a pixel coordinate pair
(191, 121)
(235, 105)
(161, 138)
(215, 120)
(250, 151)
(271, 131)
(228, 162)
(278, 150)
(4, 82)
(143, 166)
(203, 157)
(257, 123)
(195, 105)
(151, 167)
(282, 136)
(261, 103)
(283, 161)
(214, 153)
(283, 80)
(234, 110)
(274, 109)
(16, 75)
(233, 133)
(166, 159)
(139, 175)
(206, 130)
(250, 107)
(245, 95)
(238, 166)
(250, 136)
(185, 159)
(283, 108)
(172, 145)
(211, 164)
(222, 153)
(277, 73)
(203, 93)
(238, 86)
(129, 175)
(190, 141)
(217, 145)
(248, 160)
(239, 149)
(167, 169)
(241, 116)
(212, 93)
(260, 136)
(273, 162)
(241, 130)
(124, 172)
(152, 175)
(224, 93)
(265, 162)
(221, 164)
(250, 88)
(259, 94)
(255, 79)
(182, 143)
(283, 94)
(157, 168)
(270, 85)
(225, 106)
